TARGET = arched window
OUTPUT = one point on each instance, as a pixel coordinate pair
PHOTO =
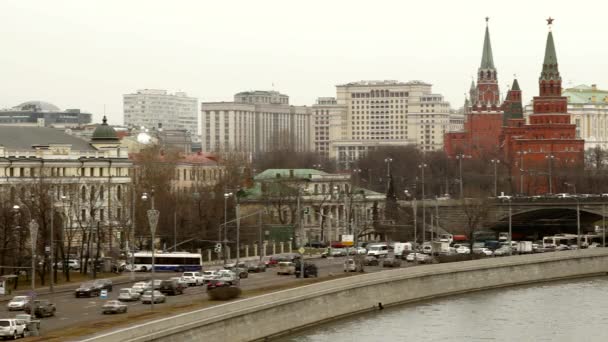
(101, 192)
(92, 193)
(119, 192)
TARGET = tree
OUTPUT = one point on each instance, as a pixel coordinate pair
(475, 211)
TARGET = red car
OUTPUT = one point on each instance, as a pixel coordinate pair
(215, 283)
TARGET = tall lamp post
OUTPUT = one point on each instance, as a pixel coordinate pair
(550, 158)
(226, 196)
(510, 227)
(460, 157)
(153, 222)
(521, 171)
(495, 162)
(422, 166)
(388, 162)
(33, 228)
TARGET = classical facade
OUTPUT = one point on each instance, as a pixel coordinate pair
(85, 183)
(256, 121)
(329, 204)
(43, 114)
(157, 109)
(327, 117)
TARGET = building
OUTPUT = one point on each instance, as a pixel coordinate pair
(256, 121)
(330, 205)
(548, 142)
(43, 114)
(86, 182)
(483, 112)
(327, 118)
(157, 109)
(371, 114)
(588, 108)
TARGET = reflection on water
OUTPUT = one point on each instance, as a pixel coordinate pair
(562, 311)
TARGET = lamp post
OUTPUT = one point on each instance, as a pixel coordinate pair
(226, 196)
(33, 228)
(521, 171)
(357, 171)
(460, 157)
(422, 166)
(495, 162)
(510, 227)
(550, 158)
(578, 223)
(153, 222)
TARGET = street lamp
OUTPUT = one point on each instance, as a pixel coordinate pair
(422, 167)
(153, 222)
(521, 170)
(388, 162)
(495, 162)
(317, 166)
(33, 227)
(460, 157)
(226, 196)
(358, 171)
(550, 158)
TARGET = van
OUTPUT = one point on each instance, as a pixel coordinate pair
(378, 250)
(402, 248)
(350, 265)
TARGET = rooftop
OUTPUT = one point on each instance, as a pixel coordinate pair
(24, 138)
(37, 106)
(583, 93)
(286, 173)
(367, 83)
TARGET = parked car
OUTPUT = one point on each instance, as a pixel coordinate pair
(40, 308)
(286, 267)
(114, 306)
(18, 303)
(310, 270)
(391, 262)
(377, 250)
(208, 275)
(146, 298)
(360, 251)
(256, 267)
(231, 265)
(128, 294)
(170, 287)
(28, 320)
(140, 287)
(484, 251)
(193, 278)
(72, 264)
(371, 261)
(316, 244)
(413, 256)
(10, 327)
(505, 250)
(423, 258)
(463, 250)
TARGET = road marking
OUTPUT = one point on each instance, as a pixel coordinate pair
(89, 306)
(63, 318)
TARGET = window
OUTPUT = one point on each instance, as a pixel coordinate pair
(83, 215)
(92, 193)
(91, 172)
(101, 192)
(83, 193)
(119, 192)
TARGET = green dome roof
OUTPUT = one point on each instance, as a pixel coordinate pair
(104, 132)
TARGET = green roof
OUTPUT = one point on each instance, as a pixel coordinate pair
(287, 173)
(487, 60)
(583, 94)
(104, 132)
(515, 85)
(550, 70)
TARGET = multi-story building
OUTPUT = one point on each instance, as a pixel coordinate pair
(86, 183)
(327, 118)
(588, 108)
(256, 121)
(370, 114)
(154, 108)
(43, 114)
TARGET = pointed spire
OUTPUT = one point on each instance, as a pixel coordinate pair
(487, 60)
(104, 120)
(472, 84)
(550, 70)
(515, 85)
(550, 55)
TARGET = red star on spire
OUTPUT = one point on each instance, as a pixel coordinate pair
(550, 21)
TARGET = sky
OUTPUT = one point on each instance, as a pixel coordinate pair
(87, 54)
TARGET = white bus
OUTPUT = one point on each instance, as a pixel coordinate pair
(559, 240)
(594, 240)
(176, 262)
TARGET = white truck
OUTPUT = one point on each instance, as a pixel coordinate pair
(524, 247)
(440, 247)
(402, 249)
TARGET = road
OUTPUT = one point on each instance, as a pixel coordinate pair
(72, 311)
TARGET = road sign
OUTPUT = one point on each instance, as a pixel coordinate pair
(347, 240)
(302, 250)
(103, 294)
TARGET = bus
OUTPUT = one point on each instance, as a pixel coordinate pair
(591, 240)
(560, 240)
(176, 262)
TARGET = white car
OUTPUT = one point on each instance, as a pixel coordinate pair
(208, 275)
(193, 278)
(126, 295)
(12, 328)
(484, 251)
(140, 287)
(146, 298)
(427, 249)
(412, 256)
(18, 303)
(463, 250)
(420, 257)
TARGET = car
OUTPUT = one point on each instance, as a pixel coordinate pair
(40, 308)
(423, 258)
(180, 282)
(377, 250)
(28, 320)
(215, 283)
(14, 328)
(230, 266)
(226, 276)
(484, 251)
(113, 306)
(170, 287)
(88, 289)
(104, 284)
(310, 270)
(242, 272)
(413, 256)
(316, 244)
(146, 298)
(154, 284)
(391, 262)
(128, 294)
(18, 303)
(427, 249)
(140, 287)
(350, 265)
(208, 275)
(463, 250)
(286, 267)
(72, 264)
(371, 261)
(505, 250)
(193, 278)
(337, 252)
(360, 251)
(256, 267)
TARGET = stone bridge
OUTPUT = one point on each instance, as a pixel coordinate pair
(531, 216)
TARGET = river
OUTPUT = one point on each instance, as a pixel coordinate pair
(575, 310)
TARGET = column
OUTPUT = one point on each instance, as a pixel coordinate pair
(246, 251)
(255, 249)
(282, 245)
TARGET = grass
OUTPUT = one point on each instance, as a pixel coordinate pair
(90, 328)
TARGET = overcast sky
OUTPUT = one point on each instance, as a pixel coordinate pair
(86, 54)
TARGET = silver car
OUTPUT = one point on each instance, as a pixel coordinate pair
(114, 306)
(18, 303)
(127, 294)
(147, 297)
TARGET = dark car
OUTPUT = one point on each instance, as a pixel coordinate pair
(370, 261)
(316, 244)
(256, 267)
(391, 262)
(40, 308)
(88, 289)
(215, 283)
(104, 284)
(170, 287)
(310, 270)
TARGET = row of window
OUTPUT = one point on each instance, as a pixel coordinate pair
(64, 172)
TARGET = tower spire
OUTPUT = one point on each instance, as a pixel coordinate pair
(487, 60)
(550, 69)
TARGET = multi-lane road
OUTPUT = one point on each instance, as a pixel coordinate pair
(73, 311)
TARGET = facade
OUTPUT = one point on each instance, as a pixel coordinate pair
(548, 142)
(329, 203)
(588, 108)
(43, 114)
(257, 121)
(327, 118)
(87, 182)
(154, 108)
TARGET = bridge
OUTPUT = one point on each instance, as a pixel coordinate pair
(530, 216)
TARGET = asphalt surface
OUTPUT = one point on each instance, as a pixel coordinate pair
(72, 311)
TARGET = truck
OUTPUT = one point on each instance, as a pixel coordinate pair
(402, 249)
(440, 247)
(503, 236)
(524, 247)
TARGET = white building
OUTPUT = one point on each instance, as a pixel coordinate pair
(154, 108)
(327, 118)
(257, 121)
(588, 109)
(371, 114)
